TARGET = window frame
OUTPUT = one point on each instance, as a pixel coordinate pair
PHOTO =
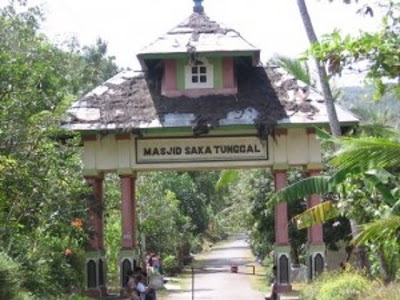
(208, 74)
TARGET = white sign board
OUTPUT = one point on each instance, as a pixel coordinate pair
(164, 150)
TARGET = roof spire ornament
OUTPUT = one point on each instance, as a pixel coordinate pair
(198, 7)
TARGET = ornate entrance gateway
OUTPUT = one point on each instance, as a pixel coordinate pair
(202, 102)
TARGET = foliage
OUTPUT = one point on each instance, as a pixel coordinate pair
(170, 264)
(377, 291)
(42, 193)
(364, 187)
(348, 285)
(295, 67)
(336, 286)
(180, 207)
(379, 49)
(10, 277)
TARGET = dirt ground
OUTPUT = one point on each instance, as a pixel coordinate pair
(214, 280)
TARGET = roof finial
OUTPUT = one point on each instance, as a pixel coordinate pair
(198, 7)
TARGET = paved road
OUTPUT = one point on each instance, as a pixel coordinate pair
(215, 281)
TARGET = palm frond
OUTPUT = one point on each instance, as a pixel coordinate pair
(325, 136)
(378, 130)
(303, 188)
(379, 230)
(226, 177)
(295, 67)
(318, 214)
(395, 209)
(367, 153)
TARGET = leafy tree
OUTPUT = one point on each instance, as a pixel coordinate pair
(178, 209)
(42, 193)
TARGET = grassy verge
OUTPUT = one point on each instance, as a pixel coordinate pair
(261, 281)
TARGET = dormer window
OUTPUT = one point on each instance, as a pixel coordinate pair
(199, 75)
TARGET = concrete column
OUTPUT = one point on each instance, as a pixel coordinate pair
(95, 266)
(128, 211)
(95, 213)
(282, 246)
(316, 246)
(315, 233)
(281, 215)
(128, 258)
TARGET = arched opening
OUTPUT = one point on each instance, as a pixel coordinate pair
(91, 274)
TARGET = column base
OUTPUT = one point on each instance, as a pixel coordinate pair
(316, 260)
(128, 261)
(282, 264)
(95, 273)
(96, 293)
(283, 289)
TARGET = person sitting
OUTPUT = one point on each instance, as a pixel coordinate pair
(131, 291)
(145, 292)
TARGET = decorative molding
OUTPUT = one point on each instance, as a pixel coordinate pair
(314, 167)
(311, 130)
(195, 93)
(92, 174)
(280, 131)
(124, 136)
(89, 138)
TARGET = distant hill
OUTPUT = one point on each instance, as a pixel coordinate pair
(359, 100)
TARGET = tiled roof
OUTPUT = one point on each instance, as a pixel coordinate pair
(200, 34)
(266, 97)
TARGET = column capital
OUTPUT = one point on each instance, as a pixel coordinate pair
(283, 167)
(317, 247)
(92, 174)
(123, 136)
(89, 138)
(282, 248)
(310, 130)
(126, 172)
(316, 166)
(280, 131)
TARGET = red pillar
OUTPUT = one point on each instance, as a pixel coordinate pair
(128, 258)
(128, 210)
(315, 233)
(316, 246)
(281, 216)
(95, 213)
(282, 246)
(95, 266)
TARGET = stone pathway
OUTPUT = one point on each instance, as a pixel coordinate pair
(214, 280)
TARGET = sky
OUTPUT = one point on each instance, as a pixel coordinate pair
(274, 26)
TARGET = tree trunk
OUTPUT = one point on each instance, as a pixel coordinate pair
(322, 76)
(329, 103)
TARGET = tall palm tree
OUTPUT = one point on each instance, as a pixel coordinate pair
(322, 75)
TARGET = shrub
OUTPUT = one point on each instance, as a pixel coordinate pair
(10, 277)
(171, 264)
(378, 291)
(197, 244)
(336, 286)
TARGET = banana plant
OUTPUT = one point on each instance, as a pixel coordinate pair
(368, 158)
